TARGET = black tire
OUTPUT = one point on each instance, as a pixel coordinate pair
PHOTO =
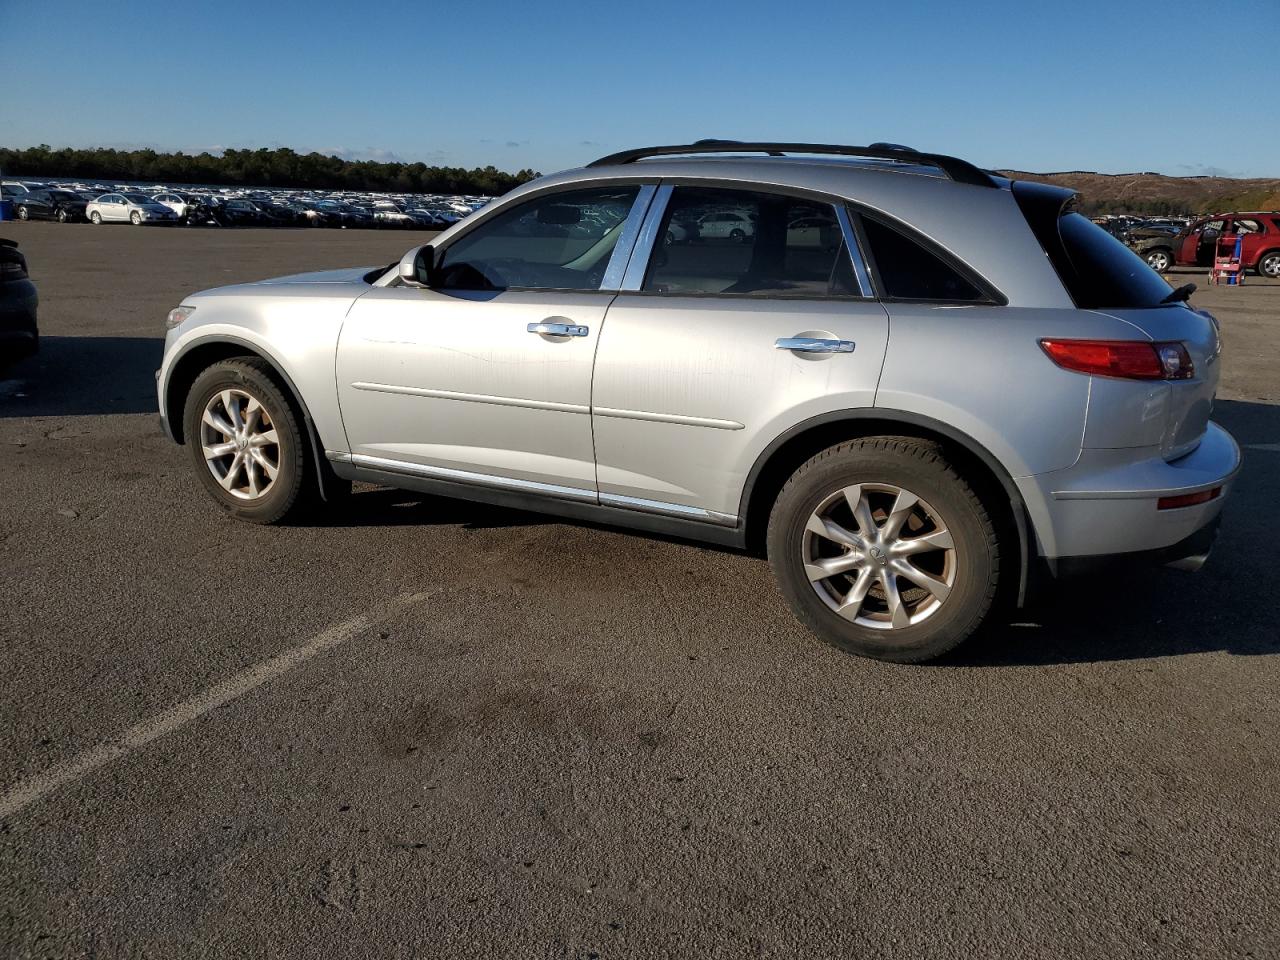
(1269, 264)
(909, 464)
(1159, 259)
(95, 218)
(290, 492)
(736, 235)
(24, 213)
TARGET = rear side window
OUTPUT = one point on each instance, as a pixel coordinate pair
(907, 271)
(746, 243)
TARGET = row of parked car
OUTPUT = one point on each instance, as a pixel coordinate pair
(261, 208)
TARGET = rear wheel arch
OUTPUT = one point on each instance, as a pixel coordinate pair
(202, 354)
(992, 482)
(1257, 264)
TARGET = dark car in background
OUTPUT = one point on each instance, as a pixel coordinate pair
(19, 332)
(50, 203)
(241, 213)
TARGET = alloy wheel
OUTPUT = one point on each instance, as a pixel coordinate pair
(879, 556)
(1158, 261)
(241, 446)
(1271, 266)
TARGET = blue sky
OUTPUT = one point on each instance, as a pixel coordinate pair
(1111, 86)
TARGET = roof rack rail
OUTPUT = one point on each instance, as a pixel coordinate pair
(961, 171)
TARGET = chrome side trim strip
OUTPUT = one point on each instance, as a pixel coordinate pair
(668, 509)
(337, 456)
(467, 476)
(633, 279)
(470, 397)
(851, 244)
(627, 239)
(577, 494)
(667, 418)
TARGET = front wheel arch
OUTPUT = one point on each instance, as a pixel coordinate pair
(200, 355)
(992, 481)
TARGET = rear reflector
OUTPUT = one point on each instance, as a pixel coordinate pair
(1188, 499)
(1126, 359)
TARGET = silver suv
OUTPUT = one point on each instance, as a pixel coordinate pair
(916, 384)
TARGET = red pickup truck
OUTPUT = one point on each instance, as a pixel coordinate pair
(1194, 246)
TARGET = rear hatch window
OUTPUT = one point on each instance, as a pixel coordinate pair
(1099, 272)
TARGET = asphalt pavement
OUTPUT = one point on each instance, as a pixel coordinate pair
(429, 728)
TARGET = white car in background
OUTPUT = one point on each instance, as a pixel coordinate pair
(135, 208)
(177, 203)
(726, 225)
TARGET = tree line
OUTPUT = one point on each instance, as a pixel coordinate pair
(281, 167)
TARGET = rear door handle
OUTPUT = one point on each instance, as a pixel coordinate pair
(554, 328)
(814, 345)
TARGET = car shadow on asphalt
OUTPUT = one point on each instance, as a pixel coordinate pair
(1148, 612)
(83, 376)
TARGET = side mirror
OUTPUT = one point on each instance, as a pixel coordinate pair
(416, 266)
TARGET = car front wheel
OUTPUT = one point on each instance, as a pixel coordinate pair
(1159, 260)
(62, 216)
(95, 217)
(1269, 265)
(883, 550)
(245, 438)
(24, 213)
(135, 218)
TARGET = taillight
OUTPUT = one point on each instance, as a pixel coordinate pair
(1127, 359)
(1188, 499)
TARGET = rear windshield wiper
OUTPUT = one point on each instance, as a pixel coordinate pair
(1181, 295)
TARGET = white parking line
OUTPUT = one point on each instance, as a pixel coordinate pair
(179, 715)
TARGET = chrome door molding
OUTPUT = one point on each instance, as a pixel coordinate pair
(668, 509)
(638, 262)
(469, 397)
(687, 421)
(469, 477)
(549, 490)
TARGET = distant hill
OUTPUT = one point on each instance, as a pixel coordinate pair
(1154, 193)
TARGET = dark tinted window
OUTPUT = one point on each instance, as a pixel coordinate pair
(1100, 272)
(910, 272)
(559, 241)
(740, 242)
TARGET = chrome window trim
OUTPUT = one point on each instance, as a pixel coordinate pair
(638, 264)
(854, 249)
(621, 256)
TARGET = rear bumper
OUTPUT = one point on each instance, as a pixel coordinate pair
(1106, 505)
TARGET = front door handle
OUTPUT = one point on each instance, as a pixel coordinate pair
(554, 328)
(814, 345)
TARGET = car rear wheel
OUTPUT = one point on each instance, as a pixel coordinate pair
(246, 440)
(883, 550)
(736, 235)
(1269, 265)
(1159, 260)
(62, 216)
(135, 218)
(24, 213)
(95, 217)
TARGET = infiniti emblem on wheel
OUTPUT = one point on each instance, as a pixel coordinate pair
(877, 555)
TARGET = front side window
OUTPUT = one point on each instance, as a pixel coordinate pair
(559, 241)
(908, 271)
(747, 243)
